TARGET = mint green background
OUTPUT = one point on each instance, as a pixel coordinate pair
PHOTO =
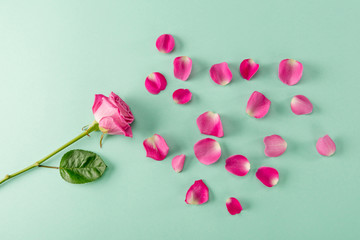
(55, 55)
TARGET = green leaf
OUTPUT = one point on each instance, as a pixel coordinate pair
(80, 166)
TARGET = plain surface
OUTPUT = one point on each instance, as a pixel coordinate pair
(55, 55)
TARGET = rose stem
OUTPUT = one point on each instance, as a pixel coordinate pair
(93, 127)
(48, 167)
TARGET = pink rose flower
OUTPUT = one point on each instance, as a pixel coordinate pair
(113, 115)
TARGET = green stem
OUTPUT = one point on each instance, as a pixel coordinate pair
(93, 127)
(48, 167)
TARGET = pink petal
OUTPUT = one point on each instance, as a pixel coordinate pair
(220, 73)
(233, 206)
(103, 107)
(207, 151)
(156, 147)
(165, 43)
(182, 67)
(326, 146)
(258, 105)
(290, 71)
(274, 145)
(268, 176)
(248, 68)
(178, 162)
(209, 123)
(115, 125)
(123, 107)
(155, 83)
(197, 194)
(237, 165)
(182, 96)
(301, 105)
(97, 104)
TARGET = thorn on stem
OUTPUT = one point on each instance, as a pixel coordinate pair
(85, 128)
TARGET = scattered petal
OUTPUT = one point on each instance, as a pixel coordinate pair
(248, 68)
(207, 151)
(220, 73)
(290, 71)
(209, 123)
(233, 206)
(178, 162)
(182, 67)
(268, 176)
(274, 145)
(182, 96)
(237, 165)
(197, 194)
(155, 83)
(326, 146)
(165, 43)
(301, 105)
(258, 105)
(156, 147)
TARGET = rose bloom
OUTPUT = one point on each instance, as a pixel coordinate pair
(113, 115)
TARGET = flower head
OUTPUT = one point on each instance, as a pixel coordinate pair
(113, 115)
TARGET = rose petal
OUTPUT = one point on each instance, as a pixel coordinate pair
(326, 146)
(156, 147)
(220, 73)
(258, 105)
(209, 123)
(123, 107)
(301, 105)
(178, 162)
(207, 151)
(233, 206)
(248, 68)
(197, 194)
(268, 176)
(182, 67)
(274, 145)
(290, 71)
(103, 107)
(115, 125)
(165, 43)
(155, 83)
(182, 96)
(97, 105)
(237, 165)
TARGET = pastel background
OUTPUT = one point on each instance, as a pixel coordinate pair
(55, 55)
